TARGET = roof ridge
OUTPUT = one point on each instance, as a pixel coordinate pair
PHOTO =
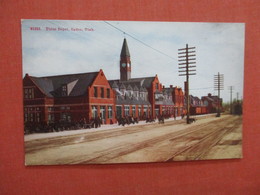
(63, 75)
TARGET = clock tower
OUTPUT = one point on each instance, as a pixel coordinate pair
(125, 63)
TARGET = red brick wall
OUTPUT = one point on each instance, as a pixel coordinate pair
(101, 82)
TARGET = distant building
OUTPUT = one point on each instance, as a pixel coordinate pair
(197, 106)
(212, 102)
(177, 96)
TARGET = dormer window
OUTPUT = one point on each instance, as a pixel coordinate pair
(64, 90)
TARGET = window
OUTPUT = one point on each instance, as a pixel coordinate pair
(102, 93)
(64, 90)
(118, 111)
(110, 112)
(50, 109)
(95, 92)
(94, 111)
(51, 117)
(157, 86)
(65, 117)
(38, 117)
(139, 110)
(133, 111)
(25, 117)
(28, 93)
(126, 110)
(145, 110)
(136, 94)
(103, 112)
(108, 93)
(31, 117)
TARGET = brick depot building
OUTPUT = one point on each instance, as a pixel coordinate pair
(77, 97)
(69, 98)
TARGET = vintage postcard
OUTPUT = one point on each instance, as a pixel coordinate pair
(104, 92)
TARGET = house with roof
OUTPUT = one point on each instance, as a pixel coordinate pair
(197, 106)
(212, 102)
(69, 98)
(177, 96)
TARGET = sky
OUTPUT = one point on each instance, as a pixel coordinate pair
(56, 47)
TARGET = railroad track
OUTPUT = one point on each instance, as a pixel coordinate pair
(124, 149)
(41, 144)
(198, 150)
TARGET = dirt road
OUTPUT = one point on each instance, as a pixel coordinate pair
(207, 138)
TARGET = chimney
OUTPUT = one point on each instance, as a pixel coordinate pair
(163, 86)
(171, 86)
(209, 94)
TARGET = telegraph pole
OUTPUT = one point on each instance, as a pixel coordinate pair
(218, 85)
(186, 69)
(231, 88)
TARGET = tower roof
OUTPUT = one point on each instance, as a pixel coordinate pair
(125, 50)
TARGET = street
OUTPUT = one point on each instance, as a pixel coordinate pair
(209, 137)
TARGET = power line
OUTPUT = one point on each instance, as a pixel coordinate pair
(125, 33)
(202, 88)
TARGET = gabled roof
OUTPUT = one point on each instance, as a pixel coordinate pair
(114, 85)
(129, 88)
(122, 86)
(77, 83)
(136, 88)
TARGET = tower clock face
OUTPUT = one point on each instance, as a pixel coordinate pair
(123, 64)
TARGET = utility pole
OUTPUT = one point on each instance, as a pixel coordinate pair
(186, 69)
(218, 85)
(231, 88)
(237, 97)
